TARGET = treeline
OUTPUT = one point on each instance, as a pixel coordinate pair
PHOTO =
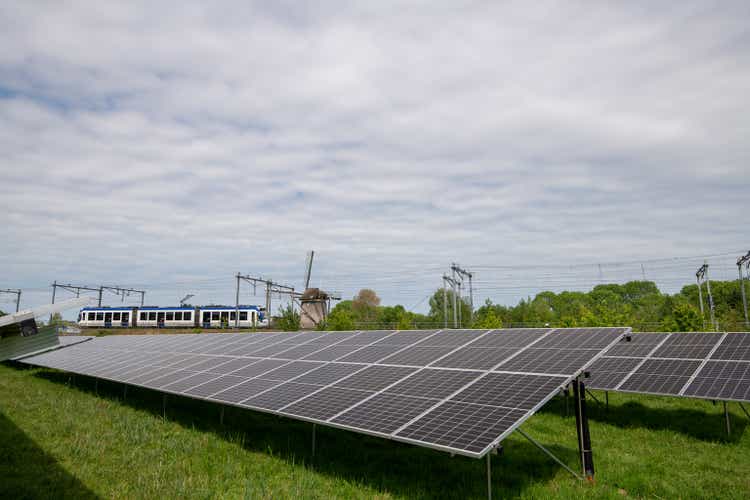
(639, 304)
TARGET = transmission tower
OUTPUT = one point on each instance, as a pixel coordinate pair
(701, 277)
(744, 260)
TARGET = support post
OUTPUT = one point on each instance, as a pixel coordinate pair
(742, 287)
(221, 415)
(96, 386)
(124, 392)
(101, 289)
(54, 289)
(489, 477)
(314, 427)
(237, 304)
(606, 400)
(714, 324)
(164, 406)
(726, 419)
(268, 303)
(18, 304)
(700, 299)
(582, 429)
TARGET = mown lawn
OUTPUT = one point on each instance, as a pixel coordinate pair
(59, 439)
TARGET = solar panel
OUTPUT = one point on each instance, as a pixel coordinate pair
(692, 364)
(430, 387)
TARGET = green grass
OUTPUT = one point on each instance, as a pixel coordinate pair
(59, 439)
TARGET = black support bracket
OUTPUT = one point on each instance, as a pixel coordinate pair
(582, 429)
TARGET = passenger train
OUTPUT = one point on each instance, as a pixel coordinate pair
(171, 317)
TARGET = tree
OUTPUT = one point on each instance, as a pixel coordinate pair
(487, 318)
(289, 319)
(340, 320)
(365, 305)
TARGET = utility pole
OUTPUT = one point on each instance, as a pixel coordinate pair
(698, 275)
(454, 284)
(271, 287)
(445, 306)
(17, 293)
(702, 275)
(76, 289)
(463, 273)
(744, 260)
(237, 304)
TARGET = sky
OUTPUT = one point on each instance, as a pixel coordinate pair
(169, 145)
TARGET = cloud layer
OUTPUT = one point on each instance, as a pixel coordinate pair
(172, 145)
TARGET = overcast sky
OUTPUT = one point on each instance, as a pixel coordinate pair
(168, 146)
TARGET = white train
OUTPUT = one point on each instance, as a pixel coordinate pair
(171, 317)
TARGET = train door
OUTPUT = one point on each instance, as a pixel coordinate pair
(224, 319)
(160, 320)
(206, 319)
(108, 320)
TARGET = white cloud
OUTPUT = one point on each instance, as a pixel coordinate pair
(153, 144)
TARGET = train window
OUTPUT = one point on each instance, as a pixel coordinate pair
(206, 316)
(178, 316)
(143, 316)
(170, 316)
(152, 316)
(116, 317)
(243, 315)
(100, 316)
(187, 316)
(126, 317)
(92, 316)
(231, 316)
(215, 316)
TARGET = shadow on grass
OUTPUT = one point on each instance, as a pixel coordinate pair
(705, 424)
(27, 471)
(380, 464)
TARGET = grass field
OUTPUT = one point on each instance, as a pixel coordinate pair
(58, 439)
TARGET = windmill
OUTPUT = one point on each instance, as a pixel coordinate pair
(314, 302)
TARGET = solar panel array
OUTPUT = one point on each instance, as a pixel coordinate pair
(705, 365)
(460, 391)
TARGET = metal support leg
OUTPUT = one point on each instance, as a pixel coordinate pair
(124, 392)
(606, 400)
(592, 396)
(549, 454)
(313, 438)
(726, 418)
(489, 477)
(221, 416)
(743, 409)
(96, 386)
(567, 397)
(582, 429)
(164, 406)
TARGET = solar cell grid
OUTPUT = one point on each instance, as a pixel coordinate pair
(607, 373)
(655, 384)
(219, 384)
(432, 383)
(190, 381)
(244, 390)
(520, 391)
(682, 351)
(291, 370)
(375, 378)
(332, 353)
(462, 426)
(280, 396)
(693, 338)
(509, 338)
(371, 354)
(417, 355)
(326, 403)
(329, 373)
(555, 361)
(482, 358)
(735, 346)
(452, 338)
(258, 368)
(384, 413)
(583, 338)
